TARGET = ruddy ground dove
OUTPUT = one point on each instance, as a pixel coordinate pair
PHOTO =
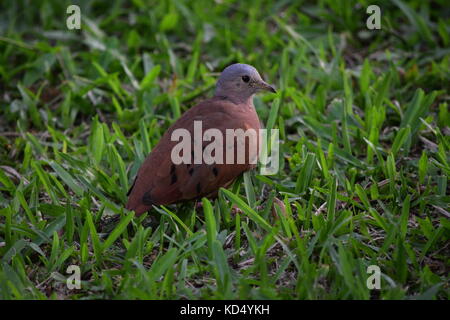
(162, 181)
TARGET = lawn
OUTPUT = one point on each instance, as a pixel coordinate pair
(363, 119)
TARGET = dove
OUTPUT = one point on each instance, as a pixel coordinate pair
(162, 179)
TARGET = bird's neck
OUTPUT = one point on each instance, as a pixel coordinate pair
(236, 99)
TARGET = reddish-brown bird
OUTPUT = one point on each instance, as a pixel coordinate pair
(162, 181)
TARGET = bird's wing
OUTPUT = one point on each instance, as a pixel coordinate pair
(160, 181)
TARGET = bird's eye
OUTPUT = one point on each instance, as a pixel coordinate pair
(245, 78)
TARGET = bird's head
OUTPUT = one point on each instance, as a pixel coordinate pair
(240, 82)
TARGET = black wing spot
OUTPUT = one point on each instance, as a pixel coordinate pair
(174, 179)
(199, 186)
(191, 171)
(172, 169)
(192, 158)
(215, 171)
(132, 186)
(147, 199)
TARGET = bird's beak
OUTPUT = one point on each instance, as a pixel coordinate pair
(265, 86)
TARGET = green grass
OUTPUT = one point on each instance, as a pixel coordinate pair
(364, 128)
